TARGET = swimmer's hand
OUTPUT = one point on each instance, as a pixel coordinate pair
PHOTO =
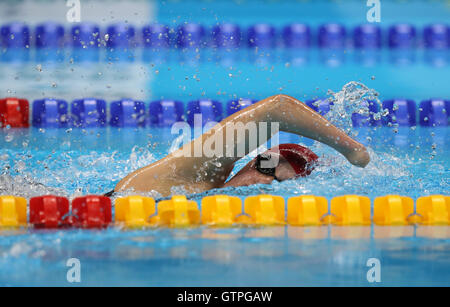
(359, 157)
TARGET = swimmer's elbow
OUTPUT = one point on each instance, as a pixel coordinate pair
(365, 162)
(282, 98)
(359, 158)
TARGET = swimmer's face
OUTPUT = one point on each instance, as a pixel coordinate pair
(250, 175)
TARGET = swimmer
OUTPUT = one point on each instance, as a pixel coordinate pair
(286, 161)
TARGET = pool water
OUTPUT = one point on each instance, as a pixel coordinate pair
(408, 161)
(230, 257)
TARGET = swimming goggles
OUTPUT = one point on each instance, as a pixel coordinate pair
(269, 171)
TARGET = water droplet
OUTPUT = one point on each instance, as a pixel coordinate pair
(352, 98)
(9, 138)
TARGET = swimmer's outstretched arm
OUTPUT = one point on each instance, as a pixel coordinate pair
(199, 172)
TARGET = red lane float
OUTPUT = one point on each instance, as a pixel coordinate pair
(49, 212)
(91, 212)
(14, 112)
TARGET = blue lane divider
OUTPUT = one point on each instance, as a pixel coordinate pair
(367, 36)
(236, 105)
(322, 106)
(50, 35)
(437, 36)
(434, 112)
(191, 35)
(332, 35)
(86, 35)
(121, 36)
(127, 113)
(210, 110)
(165, 113)
(261, 35)
(402, 36)
(401, 112)
(226, 35)
(50, 113)
(360, 120)
(297, 35)
(88, 113)
(156, 36)
(15, 35)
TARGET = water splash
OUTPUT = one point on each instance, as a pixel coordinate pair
(26, 187)
(67, 173)
(353, 98)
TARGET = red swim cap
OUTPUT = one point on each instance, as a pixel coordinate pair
(300, 158)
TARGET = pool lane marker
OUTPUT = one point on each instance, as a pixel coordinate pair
(265, 210)
(91, 211)
(307, 210)
(88, 113)
(223, 211)
(178, 212)
(14, 113)
(350, 210)
(13, 211)
(134, 211)
(49, 212)
(157, 37)
(393, 210)
(434, 210)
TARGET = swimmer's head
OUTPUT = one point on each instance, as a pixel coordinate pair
(283, 162)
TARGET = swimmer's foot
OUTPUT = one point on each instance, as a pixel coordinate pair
(358, 157)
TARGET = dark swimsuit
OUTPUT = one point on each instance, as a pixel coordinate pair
(110, 194)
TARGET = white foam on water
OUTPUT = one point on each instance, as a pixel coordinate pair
(353, 98)
(28, 175)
